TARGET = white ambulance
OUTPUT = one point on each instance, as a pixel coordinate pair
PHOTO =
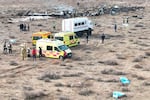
(53, 48)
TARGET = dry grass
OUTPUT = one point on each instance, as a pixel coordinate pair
(112, 72)
(147, 53)
(86, 92)
(47, 76)
(59, 85)
(109, 62)
(33, 95)
(146, 83)
(138, 66)
(13, 63)
(64, 98)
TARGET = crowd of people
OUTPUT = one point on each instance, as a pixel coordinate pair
(31, 53)
(24, 27)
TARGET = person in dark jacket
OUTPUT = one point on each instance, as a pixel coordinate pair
(4, 48)
(87, 38)
(40, 52)
(10, 48)
(103, 37)
(115, 27)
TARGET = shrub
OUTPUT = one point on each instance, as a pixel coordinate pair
(109, 62)
(147, 53)
(59, 85)
(138, 59)
(112, 72)
(32, 95)
(13, 63)
(139, 25)
(146, 83)
(86, 92)
(138, 66)
(48, 76)
(63, 98)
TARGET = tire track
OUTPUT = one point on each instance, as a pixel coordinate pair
(20, 69)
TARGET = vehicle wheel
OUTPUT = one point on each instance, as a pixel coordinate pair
(43, 55)
(61, 58)
(79, 34)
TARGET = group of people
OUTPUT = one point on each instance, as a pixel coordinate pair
(102, 38)
(31, 53)
(24, 27)
(7, 48)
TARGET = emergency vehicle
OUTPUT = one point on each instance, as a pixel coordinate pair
(78, 25)
(69, 38)
(40, 35)
(53, 48)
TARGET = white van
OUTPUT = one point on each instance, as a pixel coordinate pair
(53, 48)
(77, 25)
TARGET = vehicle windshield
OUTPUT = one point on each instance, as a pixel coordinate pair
(37, 37)
(63, 47)
(59, 38)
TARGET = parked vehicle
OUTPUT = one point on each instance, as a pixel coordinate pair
(77, 25)
(40, 35)
(53, 48)
(69, 38)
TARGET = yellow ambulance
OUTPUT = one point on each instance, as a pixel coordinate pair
(40, 35)
(53, 48)
(69, 38)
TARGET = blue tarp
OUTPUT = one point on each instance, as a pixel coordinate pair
(117, 94)
(124, 80)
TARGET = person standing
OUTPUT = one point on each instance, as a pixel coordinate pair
(4, 48)
(10, 48)
(34, 54)
(115, 27)
(103, 37)
(127, 20)
(21, 27)
(23, 53)
(28, 52)
(87, 38)
(40, 52)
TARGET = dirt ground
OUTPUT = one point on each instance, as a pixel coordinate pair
(94, 70)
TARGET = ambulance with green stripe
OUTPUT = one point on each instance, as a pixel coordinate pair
(69, 38)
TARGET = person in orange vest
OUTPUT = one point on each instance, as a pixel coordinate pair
(34, 53)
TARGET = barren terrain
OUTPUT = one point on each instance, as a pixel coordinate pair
(94, 70)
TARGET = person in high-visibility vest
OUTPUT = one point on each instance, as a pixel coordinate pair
(23, 52)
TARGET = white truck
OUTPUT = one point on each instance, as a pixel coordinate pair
(77, 25)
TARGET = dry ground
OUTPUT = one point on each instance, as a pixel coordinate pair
(94, 71)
